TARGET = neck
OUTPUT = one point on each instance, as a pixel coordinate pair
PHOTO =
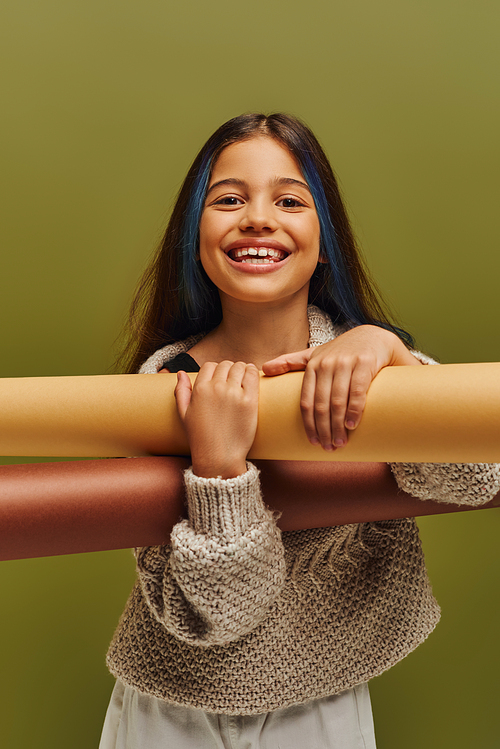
(256, 333)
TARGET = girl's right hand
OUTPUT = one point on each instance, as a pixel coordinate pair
(219, 414)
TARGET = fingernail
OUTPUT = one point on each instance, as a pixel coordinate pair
(338, 442)
(350, 424)
(329, 448)
(314, 441)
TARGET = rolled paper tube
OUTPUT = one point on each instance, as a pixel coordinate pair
(80, 506)
(449, 413)
(73, 507)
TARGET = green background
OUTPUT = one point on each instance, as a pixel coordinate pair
(104, 105)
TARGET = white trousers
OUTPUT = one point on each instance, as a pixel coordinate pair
(138, 721)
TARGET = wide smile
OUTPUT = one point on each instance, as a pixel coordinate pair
(257, 255)
(257, 259)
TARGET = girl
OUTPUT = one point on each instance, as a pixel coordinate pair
(236, 635)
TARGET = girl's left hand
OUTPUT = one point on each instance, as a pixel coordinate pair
(337, 377)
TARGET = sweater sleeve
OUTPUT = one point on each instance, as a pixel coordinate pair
(472, 484)
(225, 565)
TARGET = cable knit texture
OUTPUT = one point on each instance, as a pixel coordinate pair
(227, 564)
(234, 617)
(460, 483)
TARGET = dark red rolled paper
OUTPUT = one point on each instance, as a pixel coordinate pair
(79, 506)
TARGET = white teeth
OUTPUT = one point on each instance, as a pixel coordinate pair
(257, 260)
(259, 254)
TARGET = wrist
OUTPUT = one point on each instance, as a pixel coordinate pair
(408, 359)
(403, 356)
(226, 469)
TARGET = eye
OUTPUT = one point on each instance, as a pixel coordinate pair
(290, 203)
(228, 200)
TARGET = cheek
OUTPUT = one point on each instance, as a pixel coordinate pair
(207, 256)
(212, 231)
(206, 241)
(317, 232)
(311, 232)
(204, 233)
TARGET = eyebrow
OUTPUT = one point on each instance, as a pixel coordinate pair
(278, 181)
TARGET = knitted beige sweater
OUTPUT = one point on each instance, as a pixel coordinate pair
(235, 617)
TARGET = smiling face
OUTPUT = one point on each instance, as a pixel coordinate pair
(259, 230)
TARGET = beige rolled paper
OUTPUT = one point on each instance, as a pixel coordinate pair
(447, 413)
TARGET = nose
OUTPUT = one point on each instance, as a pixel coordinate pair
(258, 216)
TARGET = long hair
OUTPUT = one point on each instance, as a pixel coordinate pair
(176, 299)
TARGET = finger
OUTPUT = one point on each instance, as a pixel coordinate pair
(360, 382)
(339, 398)
(307, 405)
(287, 363)
(251, 380)
(222, 370)
(183, 392)
(206, 372)
(328, 404)
(236, 373)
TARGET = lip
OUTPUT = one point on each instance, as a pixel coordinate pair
(257, 268)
